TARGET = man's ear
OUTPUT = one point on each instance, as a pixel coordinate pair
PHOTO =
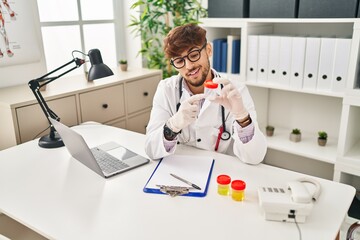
(209, 50)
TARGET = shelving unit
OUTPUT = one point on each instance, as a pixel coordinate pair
(337, 113)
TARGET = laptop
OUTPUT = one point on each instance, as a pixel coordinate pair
(106, 160)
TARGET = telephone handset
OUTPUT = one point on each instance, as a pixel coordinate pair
(299, 192)
(294, 200)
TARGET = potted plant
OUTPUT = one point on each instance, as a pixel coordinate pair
(295, 135)
(322, 139)
(123, 65)
(269, 130)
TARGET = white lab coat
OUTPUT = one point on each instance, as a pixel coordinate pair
(204, 131)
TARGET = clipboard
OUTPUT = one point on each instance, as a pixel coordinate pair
(195, 169)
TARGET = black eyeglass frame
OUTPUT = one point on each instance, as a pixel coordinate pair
(187, 56)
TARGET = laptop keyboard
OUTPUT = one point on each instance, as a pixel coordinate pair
(107, 162)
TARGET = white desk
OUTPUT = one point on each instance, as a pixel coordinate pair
(58, 197)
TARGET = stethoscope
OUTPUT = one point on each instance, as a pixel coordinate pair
(223, 133)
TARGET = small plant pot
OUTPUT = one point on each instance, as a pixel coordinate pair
(295, 137)
(123, 67)
(322, 142)
(269, 133)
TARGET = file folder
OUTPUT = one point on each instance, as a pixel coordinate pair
(195, 169)
(312, 55)
(252, 52)
(285, 60)
(326, 64)
(263, 58)
(273, 65)
(341, 64)
(230, 57)
(297, 62)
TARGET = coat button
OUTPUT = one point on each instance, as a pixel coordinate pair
(199, 140)
(178, 142)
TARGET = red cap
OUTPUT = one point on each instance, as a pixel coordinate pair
(223, 179)
(210, 84)
(238, 185)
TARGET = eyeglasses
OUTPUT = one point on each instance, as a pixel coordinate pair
(193, 56)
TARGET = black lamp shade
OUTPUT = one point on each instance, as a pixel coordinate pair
(98, 69)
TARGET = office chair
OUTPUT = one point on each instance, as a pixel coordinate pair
(353, 229)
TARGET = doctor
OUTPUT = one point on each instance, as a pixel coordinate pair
(185, 112)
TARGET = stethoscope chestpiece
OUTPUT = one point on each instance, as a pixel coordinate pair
(225, 135)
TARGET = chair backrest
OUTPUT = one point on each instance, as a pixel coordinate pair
(352, 230)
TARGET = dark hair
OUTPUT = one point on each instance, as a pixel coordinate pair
(181, 38)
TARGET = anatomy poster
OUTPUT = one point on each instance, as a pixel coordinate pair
(18, 41)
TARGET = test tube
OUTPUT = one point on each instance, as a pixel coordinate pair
(223, 184)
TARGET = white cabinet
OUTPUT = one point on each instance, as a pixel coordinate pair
(122, 100)
(286, 108)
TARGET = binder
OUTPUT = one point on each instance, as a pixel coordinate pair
(252, 52)
(285, 60)
(223, 62)
(230, 40)
(195, 169)
(235, 66)
(341, 63)
(326, 64)
(217, 43)
(263, 55)
(312, 55)
(297, 62)
(273, 64)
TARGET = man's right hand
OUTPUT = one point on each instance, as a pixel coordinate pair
(186, 114)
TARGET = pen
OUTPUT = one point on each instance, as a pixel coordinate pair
(185, 181)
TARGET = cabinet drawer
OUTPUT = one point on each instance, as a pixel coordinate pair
(32, 121)
(140, 93)
(103, 105)
(138, 123)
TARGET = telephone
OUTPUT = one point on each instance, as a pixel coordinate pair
(291, 203)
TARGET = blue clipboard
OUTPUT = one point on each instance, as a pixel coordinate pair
(196, 169)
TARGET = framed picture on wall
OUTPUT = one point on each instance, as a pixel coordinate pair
(18, 41)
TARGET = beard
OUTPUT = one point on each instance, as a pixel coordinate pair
(204, 74)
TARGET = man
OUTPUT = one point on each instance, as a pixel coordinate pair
(182, 114)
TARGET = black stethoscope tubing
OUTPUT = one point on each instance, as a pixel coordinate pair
(225, 135)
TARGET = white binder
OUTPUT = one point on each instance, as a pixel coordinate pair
(326, 64)
(274, 57)
(311, 66)
(297, 62)
(252, 54)
(263, 58)
(285, 60)
(341, 64)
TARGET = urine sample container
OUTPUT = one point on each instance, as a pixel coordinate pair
(238, 190)
(223, 184)
(210, 88)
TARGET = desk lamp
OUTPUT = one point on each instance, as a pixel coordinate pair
(97, 70)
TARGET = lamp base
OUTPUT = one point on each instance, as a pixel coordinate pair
(47, 142)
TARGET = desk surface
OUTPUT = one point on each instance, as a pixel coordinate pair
(58, 197)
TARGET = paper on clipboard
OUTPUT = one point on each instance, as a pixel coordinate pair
(195, 169)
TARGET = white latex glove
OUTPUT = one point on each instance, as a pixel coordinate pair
(231, 99)
(186, 114)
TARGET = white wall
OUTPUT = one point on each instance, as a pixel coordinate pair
(22, 74)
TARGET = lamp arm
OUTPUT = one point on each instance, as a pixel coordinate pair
(36, 84)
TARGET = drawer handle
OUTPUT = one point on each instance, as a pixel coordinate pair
(105, 105)
(146, 94)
